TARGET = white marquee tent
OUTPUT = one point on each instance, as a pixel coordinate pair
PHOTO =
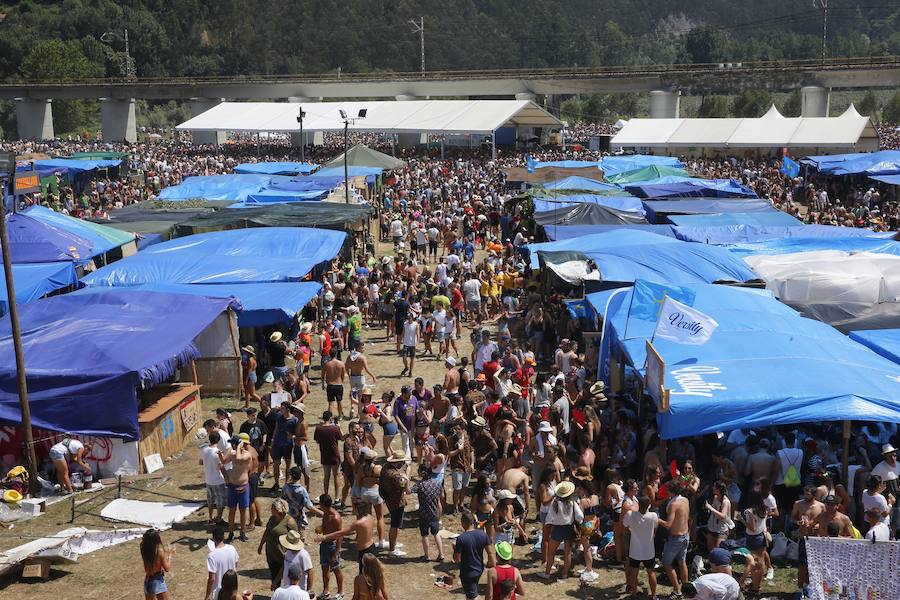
(772, 130)
(447, 117)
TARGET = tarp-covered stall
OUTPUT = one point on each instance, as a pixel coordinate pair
(32, 241)
(33, 280)
(324, 215)
(621, 203)
(103, 239)
(88, 356)
(565, 232)
(658, 210)
(689, 187)
(276, 168)
(763, 366)
(584, 214)
(276, 254)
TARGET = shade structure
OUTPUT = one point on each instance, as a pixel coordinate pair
(623, 256)
(580, 183)
(763, 366)
(657, 210)
(883, 165)
(771, 131)
(102, 238)
(262, 304)
(363, 156)
(233, 188)
(33, 280)
(86, 355)
(323, 215)
(884, 342)
(274, 254)
(415, 116)
(623, 203)
(566, 232)
(762, 219)
(583, 214)
(822, 238)
(77, 166)
(689, 187)
(276, 168)
(35, 241)
(647, 173)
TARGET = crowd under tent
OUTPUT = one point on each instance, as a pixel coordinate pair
(858, 290)
(622, 257)
(109, 366)
(764, 366)
(321, 215)
(256, 255)
(772, 132)
(275, 168)
(435, 117)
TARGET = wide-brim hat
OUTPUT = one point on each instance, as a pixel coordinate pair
(397, 456)
(583, 474)
(505, 495)
(12, 496)
(249, 350)
(545, 427)
(450, 361)
(306, 327)
(298, 406)
(598, 388)
(479, 422)
(504, 550)
(565, 489)
(275, 337)
(887, 449)
(516, 389)
(291, 540)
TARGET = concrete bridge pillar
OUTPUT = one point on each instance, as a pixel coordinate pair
(665, 104)
(406, 97)
(526, 96)
(34, 119)
(814, 101)
(199, 106)
(118, 120)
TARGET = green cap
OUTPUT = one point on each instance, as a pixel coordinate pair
(504, 550)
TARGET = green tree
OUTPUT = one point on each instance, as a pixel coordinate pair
(869, 105)
(705, 45)
(571, 109)
(792, 105)
(891, 111)
(714, 107)
(751, 103)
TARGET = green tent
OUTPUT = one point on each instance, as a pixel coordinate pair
(646, 174)
(363, 156)
(97, 155)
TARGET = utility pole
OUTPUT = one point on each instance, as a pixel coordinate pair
(419, 27)
(31, 459)
(824, 5)
(347, 120)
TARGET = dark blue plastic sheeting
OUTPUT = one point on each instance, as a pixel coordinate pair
(235, 188)
(624, 203)
(659, 209)
(32, 241)
(739, 234)
(34, 280)
(565, 232)
(86, 355)
(765, 365)
(305, 184)
(773, 218)
(284, 197)
(873, 164)
(276, 168)
(263, 304)
(624, 256)
(256, 255)
(690, 188)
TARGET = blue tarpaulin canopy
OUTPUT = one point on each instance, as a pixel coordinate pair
(276, 168)
(873, 164)
(885, 342)
(76, 165)
(687, 187)
(762, 219)
(565, 232)
(792, 245)
(658, 209)
(284, 196)
(739, 234)
(85, 355)
(613, 165)
(622, 203)
(42, 171)
(33, 280)
(624, 256)
(33, 241)
(271, 254)
(235, 188)
(581, 183)
(263, 304)
(102, 238)
(561, 164)
(353, 171)
(764, 365)
(304, 184)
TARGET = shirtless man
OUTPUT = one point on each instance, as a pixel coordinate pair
(675, 550)
(364, 529)
(238, 482)
(830, 515)
(334, 374)
(805, 512)
(516, 480)
(301, 436)
(451, 379)
(329, 552)
(357, 366)
(440, 406)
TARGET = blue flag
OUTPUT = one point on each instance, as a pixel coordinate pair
(790, 167)
(530, 164)
(647, 298)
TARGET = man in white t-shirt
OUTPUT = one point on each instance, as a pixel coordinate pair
(397, 230)
(216, 491)
(878, 529)
(889, 471)
(471, 290)
(293, 591)
(642, 524)
(410, 339)
(222, 558)
(483, 351)
(295, 555)
(718, 584)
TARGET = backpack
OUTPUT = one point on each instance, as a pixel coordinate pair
(792, 476)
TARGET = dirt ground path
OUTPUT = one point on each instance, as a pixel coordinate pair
(116, 573)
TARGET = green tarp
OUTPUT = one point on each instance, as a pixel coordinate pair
(97, 155)
(363, 156)
(646, 174)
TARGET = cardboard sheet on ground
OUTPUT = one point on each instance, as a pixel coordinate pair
(152, 514)
(66, 546)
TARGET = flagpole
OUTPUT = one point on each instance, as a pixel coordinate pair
(659, 314)
(628, 315)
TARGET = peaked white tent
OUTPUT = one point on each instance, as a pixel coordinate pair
(772, 131)
(449, 117)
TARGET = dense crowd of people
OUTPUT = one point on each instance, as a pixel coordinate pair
(518, 433)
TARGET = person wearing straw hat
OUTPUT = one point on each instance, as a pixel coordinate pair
(889, 471)
(503, 571)
(248, 371)
(564, 513)
(296, 557)
(278, 350)
(393, 484)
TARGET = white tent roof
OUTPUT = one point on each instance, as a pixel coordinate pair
(772, 130)
(429, 116)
